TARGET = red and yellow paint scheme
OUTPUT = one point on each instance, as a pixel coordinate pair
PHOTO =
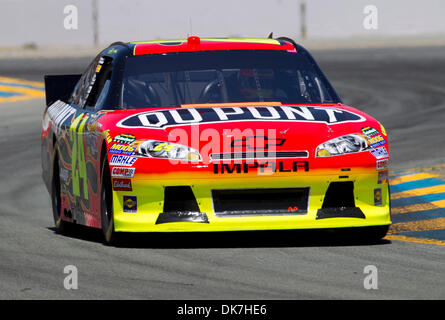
(251, 165)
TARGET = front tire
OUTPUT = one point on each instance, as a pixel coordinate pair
(372, 234)
(56, 198)
(376, 233)
(106, 206)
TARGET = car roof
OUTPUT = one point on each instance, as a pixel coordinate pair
(194, 43)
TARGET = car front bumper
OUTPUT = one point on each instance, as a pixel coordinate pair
(371, 198)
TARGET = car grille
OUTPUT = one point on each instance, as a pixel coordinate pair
(275, 201)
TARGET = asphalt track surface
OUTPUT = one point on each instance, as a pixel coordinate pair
(402, 88)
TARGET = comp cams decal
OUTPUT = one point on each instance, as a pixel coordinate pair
(123, 172)
(177, 117)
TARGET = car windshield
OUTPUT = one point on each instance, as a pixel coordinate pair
(174, 79)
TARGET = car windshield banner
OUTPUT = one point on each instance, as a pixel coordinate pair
(184, 116)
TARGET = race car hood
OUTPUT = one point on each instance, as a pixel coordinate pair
(220, 129)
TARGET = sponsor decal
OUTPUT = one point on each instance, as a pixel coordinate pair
(370, 132)
(383, 176)
(380, 153)
(122, 149)
(92, 123)
(112, 51)
(106, 135)
(184, 116)
(377, 141)
(60, 112)
(123, 172)
(382, 129)
(382, 164)
(63, 174)
(130, 204)
(121, 160)
(122, 184)
(378, 197)
(91, 145)
(261, 167)
(124, 138)
(260, 142)
(92, 126)
(93, 79)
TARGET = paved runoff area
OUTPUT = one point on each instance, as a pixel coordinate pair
(417, 206)
(12, 89)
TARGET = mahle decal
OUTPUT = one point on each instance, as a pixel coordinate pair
(122, 160)
(380, 153)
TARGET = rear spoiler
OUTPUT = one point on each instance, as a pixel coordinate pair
(60, 87)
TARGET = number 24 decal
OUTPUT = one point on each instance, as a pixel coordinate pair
(78, 164)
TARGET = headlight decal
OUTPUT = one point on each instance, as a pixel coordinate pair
(164, 150)
(346, 144)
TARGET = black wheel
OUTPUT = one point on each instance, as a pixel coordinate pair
(367, 234)
(376, 233)
(106, 206)
(56, 200)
